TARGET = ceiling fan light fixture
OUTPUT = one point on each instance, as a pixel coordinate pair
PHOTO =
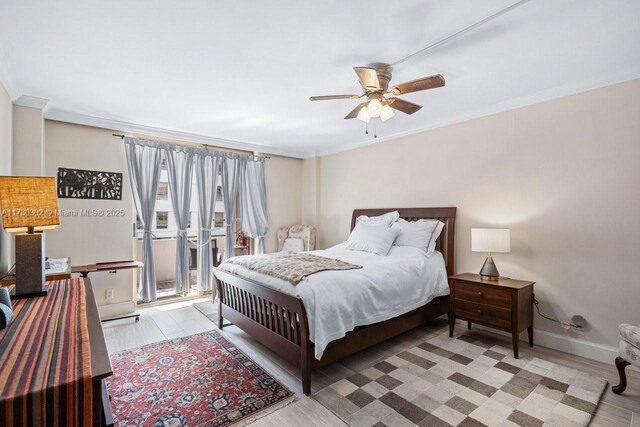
(374, 107)
(363, 115)
(386, 113)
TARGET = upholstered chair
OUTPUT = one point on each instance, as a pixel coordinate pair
(629, 349)
(298, 238)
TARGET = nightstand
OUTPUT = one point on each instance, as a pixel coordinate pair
(504, 304)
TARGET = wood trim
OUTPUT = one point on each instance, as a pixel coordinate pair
(446, 241)
(502, 282)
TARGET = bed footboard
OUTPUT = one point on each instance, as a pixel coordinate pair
(279, 322)
(275, 319)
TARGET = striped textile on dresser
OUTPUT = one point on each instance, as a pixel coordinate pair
(45, 360)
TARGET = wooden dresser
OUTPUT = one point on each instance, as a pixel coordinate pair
(504, 304)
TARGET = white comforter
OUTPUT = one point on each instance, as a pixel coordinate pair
(338, 301)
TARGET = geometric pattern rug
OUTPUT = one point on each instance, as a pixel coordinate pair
(198, 380)
(464, 381)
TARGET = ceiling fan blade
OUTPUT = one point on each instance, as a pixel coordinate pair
(424, 83)
(328, 97)
(354, 113)
(368, 78)
(404, 106)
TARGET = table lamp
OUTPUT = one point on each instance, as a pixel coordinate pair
(490, 240)
(29, 206)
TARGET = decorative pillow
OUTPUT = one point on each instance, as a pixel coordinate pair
(384, 220)
(421, 234)
(372, 238)
(293, 245)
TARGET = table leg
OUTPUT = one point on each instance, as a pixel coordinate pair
(468, 325)
(515, 337)
(530, 332)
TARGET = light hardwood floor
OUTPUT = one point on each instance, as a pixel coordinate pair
(181, 319)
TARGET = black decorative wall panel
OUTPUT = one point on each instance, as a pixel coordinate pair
(83, 184)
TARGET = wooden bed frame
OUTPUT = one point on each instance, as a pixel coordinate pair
(279, 321)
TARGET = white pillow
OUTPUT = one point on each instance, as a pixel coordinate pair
(384, 220)
(372, 238)
(421, 234)
(293, 245)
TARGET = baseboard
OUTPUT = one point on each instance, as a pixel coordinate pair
(117, 309)
(593, 351)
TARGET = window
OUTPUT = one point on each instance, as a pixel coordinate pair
(218, 219)
(219, 194)
(163, 163)
(138, 223)
(189, 219)
(163, 191)
(162, 220)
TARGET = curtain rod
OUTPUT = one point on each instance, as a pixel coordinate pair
(206, 146)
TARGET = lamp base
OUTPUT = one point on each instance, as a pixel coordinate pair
(14, 296)
(489, 270)
(30, 266)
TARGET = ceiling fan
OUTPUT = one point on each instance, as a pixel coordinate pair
(374, 80)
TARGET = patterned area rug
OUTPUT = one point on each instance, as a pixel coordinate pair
(199, 380)
(464, 382)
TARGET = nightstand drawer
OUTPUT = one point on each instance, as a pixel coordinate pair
(482, 294)
(483, 313)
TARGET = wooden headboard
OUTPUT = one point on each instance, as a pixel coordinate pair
(446, 241)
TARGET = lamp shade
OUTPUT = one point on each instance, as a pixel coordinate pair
(363, 115)
(386, 113)
(490, 240)
(28, 202)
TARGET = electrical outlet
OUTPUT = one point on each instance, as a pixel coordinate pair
(109, 294)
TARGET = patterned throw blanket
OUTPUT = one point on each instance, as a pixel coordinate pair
(290, 266)
(45, 360)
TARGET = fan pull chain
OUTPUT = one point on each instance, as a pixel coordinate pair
(366, 128)
(375, 131)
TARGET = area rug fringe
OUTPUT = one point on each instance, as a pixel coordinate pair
(266, 411)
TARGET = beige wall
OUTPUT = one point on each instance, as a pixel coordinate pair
(310, 190)
(89, 239)
(564, 175)
(28, 141)
(283, 176)
(6, 247)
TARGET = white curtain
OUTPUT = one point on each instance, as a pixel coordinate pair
(207, 171)
(143, 164)
(233, 168)
(180, 171)
(253, 198)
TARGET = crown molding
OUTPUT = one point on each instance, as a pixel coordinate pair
(69, 117)
(41, 104)
(512, 104)
(52, 113)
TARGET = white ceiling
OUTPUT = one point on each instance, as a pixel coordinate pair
(243, 70)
